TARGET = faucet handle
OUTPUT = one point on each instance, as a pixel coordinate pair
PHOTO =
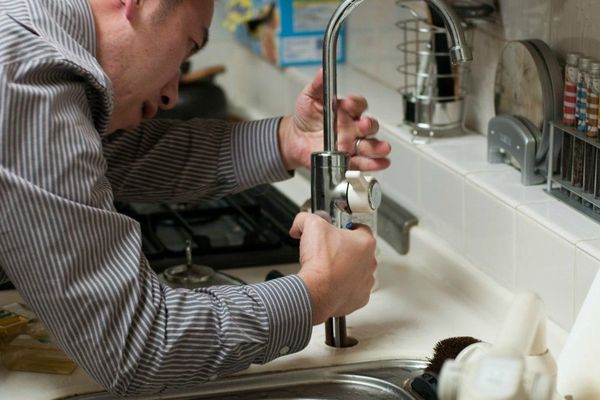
(363, 193)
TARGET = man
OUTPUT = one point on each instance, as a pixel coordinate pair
(79, 83)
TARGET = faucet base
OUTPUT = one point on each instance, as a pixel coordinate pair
(335, 333)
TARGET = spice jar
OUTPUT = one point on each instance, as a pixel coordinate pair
(597, 183)
(583, 81)
(570, 93)
(593, 94)
(589, 164)
(569, 113)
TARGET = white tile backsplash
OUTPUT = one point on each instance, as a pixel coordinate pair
(490, 235)
(545, 265)
(586, 268)
(442, 202)
(592, 247)
(465, 154)
(563, 220)
(506, 185)
(401, 181)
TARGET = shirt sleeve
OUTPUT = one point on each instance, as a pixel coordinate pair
(174, 161)
(78, 263)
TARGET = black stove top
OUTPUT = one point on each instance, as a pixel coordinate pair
(241, 230)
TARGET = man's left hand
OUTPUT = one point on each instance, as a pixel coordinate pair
(302, 133)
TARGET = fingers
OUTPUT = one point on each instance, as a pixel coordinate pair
(337, 265)
(368, 126)
(314, 89)
(363, 227)
(364, 129)
(304, 218)
(298, 225)
(355, 106)
(371, 148)
(369, 164)
(370, 155)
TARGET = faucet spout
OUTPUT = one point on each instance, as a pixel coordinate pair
(459, 53)
(329, 167)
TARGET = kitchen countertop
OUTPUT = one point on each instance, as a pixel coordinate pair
(428, 295)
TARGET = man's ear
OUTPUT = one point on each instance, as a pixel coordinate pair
(130, 7)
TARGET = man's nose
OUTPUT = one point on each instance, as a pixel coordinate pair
(169, 94)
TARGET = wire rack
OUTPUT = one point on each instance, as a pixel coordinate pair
(433, 90)
(576, 179)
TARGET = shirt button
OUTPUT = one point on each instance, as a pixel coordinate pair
(284, 350)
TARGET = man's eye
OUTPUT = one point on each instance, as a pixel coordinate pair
(184, 68)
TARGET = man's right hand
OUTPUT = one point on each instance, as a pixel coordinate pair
(337, 265)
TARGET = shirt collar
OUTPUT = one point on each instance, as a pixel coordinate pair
(70, 27)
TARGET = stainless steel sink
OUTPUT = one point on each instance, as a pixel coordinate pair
(386, 380)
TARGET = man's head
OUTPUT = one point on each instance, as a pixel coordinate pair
(165, 8)
(141, 45)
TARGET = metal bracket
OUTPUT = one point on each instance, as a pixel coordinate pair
(394, 223)
(510, 140)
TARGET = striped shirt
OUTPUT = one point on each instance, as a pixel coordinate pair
(76, 261)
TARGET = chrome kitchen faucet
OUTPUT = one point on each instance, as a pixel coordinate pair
(335, 191)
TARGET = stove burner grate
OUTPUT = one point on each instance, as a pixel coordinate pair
(245, 229)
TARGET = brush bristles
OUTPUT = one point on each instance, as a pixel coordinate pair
(448, 349)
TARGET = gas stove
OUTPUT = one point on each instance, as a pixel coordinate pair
(242, 230)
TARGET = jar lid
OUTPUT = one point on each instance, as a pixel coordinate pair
(573, 58)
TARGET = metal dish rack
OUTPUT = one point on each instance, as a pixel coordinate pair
(575, 179)
(427, 111)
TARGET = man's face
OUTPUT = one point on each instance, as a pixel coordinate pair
(141, 50)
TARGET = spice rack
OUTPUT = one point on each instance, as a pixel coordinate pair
(575, 179)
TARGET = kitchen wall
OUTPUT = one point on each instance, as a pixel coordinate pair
(526, 241)
(567, 25)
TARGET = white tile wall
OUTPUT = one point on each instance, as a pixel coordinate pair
(563, 220)
(405, 172)
(506, 186)
(545, 264)
(586, 268)
(490, 235)
(442, 199)
(466, 154)
(592, 247)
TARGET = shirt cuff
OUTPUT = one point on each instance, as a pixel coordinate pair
(256, 156)
(290, 315)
